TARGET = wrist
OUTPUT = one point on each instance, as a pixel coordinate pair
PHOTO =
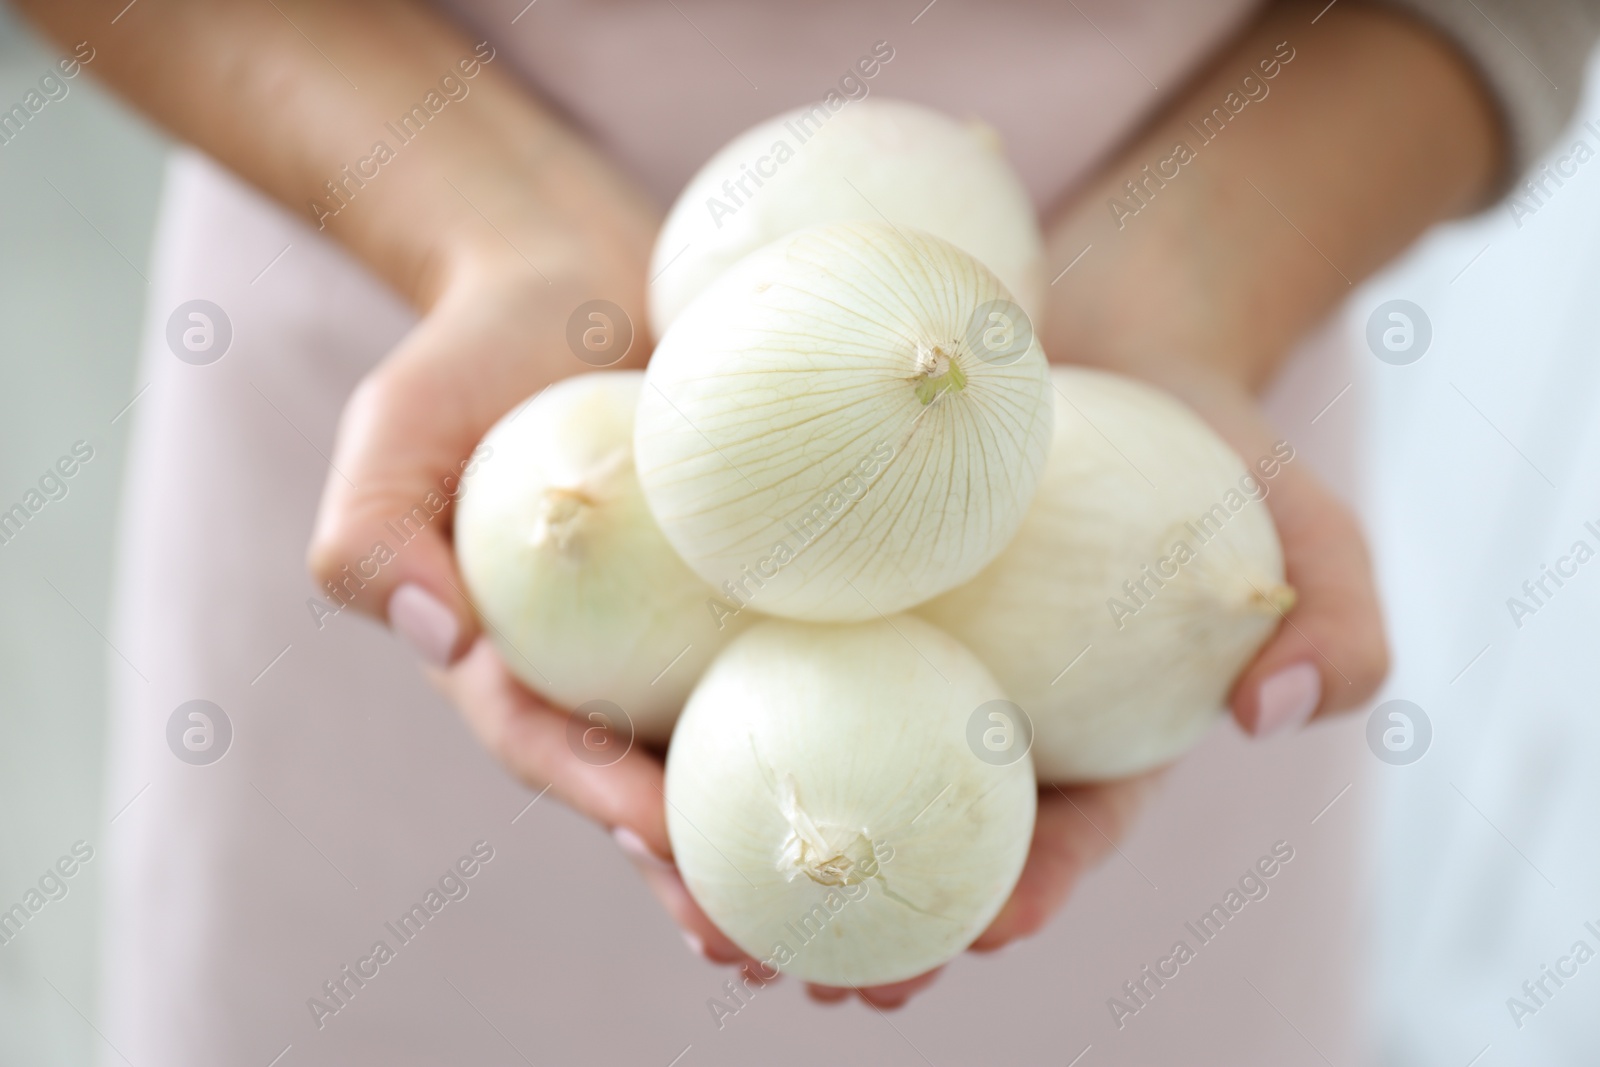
(1151, 305)
(512, 236)
(523, 205)
(1296, 164)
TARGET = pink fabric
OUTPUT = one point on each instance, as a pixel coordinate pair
(238, 889)
(660, 86)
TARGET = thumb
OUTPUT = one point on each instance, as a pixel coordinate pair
(1329, 653)
(406, 445)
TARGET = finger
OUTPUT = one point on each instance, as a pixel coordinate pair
(405, 446)
(895, 994)
(1329, 653)
(828, 994)
(888, 996)
(1074, 829)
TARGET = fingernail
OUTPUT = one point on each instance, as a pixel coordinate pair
(1287, 699)
(761, 973)
(697, 946)
(427, 625)
(632, 844)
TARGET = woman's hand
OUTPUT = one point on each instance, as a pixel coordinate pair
(497, 223)
(1328, 655)
(496, 335)
(1201, 285)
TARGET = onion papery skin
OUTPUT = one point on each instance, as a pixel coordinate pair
(576, 586)
(1131, 473)
(829, 767)
(824, 434)
(873, 159)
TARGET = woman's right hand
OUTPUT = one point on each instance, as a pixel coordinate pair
(496, 334)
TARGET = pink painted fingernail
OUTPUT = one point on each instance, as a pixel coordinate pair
(1287, 699)
(427, 625)
(632, 844)
(697, 946)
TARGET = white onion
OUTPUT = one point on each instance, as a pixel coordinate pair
(827, 810)
(848, 422)
(1154, 674)
(872, 159)
(578, 589)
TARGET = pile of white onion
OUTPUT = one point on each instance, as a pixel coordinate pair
(852, 523)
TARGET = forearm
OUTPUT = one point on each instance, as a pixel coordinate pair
(1371, 132)
(294, 94)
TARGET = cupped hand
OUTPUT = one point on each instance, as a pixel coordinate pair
(496, 335)
(1327, 655)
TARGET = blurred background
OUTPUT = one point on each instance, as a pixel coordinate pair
(78, 191)
(78, 194)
